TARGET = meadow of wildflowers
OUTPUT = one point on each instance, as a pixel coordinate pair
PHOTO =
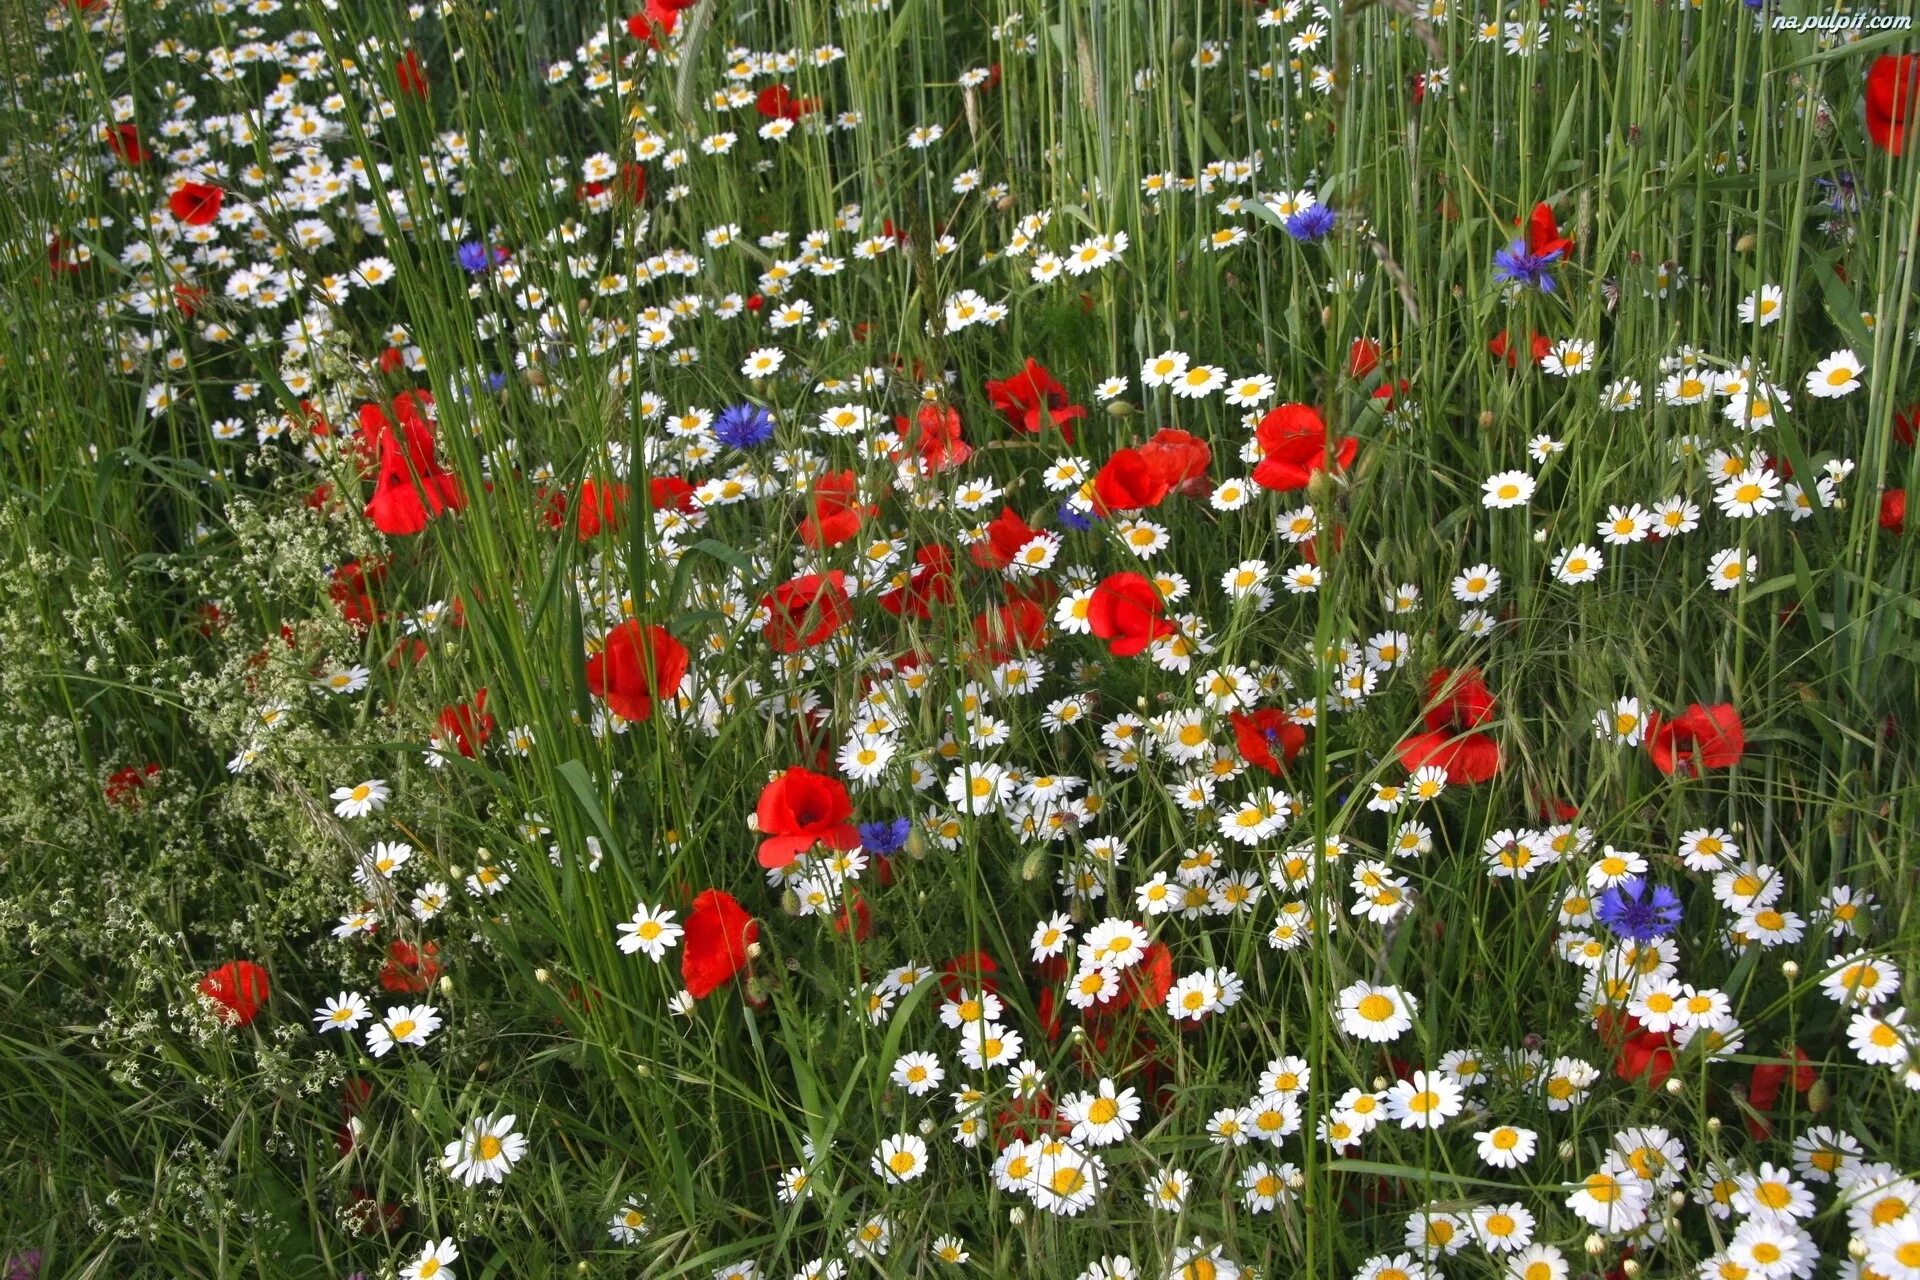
(1090, 639)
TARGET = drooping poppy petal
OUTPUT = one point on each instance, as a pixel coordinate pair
(716, 944)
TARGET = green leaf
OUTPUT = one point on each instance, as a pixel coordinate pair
(581, 784)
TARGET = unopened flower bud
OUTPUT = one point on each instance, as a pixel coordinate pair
(1676, 1086)
(1857, 1249)
(1120, 409)
(1566, 1150)
(542, 977)
(1630, 1268)
(1789, 969)
(1595, 1246)
(1016, 1215)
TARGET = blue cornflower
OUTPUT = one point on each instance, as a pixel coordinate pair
(496, 381)
(1521, 265)
(743, 426)
(1310, 224)
(1843, 192)
(1631, 911)
(886, 837)
(1075, 519)
(473, 256)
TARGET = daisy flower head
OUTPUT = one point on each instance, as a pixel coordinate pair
(404, 1024)
(1380, 1014)
(1578, 564)
(344, 1012)
(484, 1152)
(434, 1263)
(1507, 489)
(651, 931)
(1506, 1146)
(1837, 375)
(361, 799)
(1424, 1101)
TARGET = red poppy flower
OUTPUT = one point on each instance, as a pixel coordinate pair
(800, 809)
(1363, 357)
(1259, 735)
(603, 507)
(1293, 445)
(633, 182)
(406, 494)
(196, 203)
(1002, 634)
(1144, 986)
(58, 247)
(670, 493)
(635, 666)
(1032, 401)
(969, 971)
(1893, 511)
(415, 429)
(124, 141)
(1645, 1056)
(466, 725)
(714, 948)
(1906, 425)
(806, 610)
(1891, 96)
(409, 968)
(1699, 738)
(238, 988)
(125, 785)
(1126, 611)
(776, 102)
(1181, 458)
(929, 582)
(1543, 234)
(859, 918)
(1128, 482)
(351, 595)
(837, 511)
(1764, 1086)
(1457, 706)
(1502, 348)
(412, 75)
(1006, 534)
(933, 436)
